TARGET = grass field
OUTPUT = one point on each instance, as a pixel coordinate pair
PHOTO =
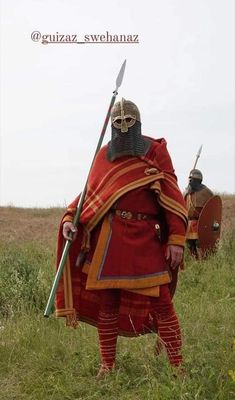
(42, 359)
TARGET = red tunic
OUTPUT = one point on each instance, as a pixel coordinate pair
(133, 255)
(123, 253)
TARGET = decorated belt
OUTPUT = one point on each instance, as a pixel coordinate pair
(133, 215)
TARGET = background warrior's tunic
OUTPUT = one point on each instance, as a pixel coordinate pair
(196, 196)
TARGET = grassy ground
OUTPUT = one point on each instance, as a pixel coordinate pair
(41, 359)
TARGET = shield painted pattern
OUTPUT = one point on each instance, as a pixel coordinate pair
(209, 224)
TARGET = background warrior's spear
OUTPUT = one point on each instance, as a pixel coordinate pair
(197, 157)
(63, 259)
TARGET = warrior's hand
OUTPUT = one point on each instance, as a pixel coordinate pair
(69, 231)
(174, 255)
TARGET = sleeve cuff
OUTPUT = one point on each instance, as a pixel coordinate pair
(67, 218)
(177, 240)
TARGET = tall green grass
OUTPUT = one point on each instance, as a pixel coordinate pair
(41, 359)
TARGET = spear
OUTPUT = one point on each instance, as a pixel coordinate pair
(67, 245)
(197, 156)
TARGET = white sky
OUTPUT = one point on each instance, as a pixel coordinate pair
(54, 97)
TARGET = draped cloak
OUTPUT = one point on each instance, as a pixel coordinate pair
(143, 184)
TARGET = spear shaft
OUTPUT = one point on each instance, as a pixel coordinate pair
(68, 243)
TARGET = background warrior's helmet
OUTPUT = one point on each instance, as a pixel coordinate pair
(126, 139)
(195, 174)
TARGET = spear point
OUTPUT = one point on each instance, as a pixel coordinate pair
(120, 76)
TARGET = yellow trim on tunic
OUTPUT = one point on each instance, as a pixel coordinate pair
(110, 283)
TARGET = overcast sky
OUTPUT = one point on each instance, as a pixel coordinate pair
(54, 97)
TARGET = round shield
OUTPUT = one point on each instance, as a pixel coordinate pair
(209, 224)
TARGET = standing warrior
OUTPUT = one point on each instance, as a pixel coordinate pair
(128, 244)
(196, 196)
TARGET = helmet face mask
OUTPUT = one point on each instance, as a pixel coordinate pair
(124, 122)
(124, 115)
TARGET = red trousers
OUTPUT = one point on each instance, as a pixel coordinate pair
(166, 320)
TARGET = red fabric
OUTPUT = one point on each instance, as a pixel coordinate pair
(134, 249)
(108, 326)
(168, 327)
(166, 323)
(107, 179)
(192, 228)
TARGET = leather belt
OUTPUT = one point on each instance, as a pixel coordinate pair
(133, 215)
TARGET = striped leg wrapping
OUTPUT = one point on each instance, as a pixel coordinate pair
(108, 332)
(170, 334)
